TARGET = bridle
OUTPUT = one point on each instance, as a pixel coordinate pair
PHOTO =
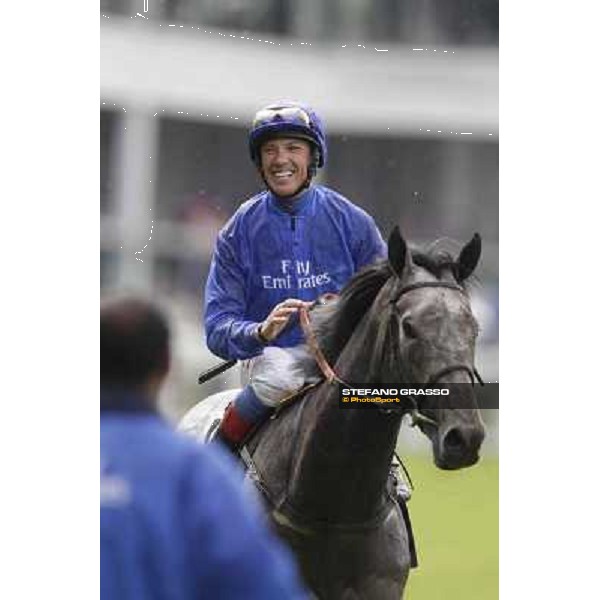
(418, 417)
(332, 377)
(471, 372)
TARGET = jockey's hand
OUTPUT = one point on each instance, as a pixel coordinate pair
(279, 317)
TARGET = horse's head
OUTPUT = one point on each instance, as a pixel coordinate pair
(435, 333)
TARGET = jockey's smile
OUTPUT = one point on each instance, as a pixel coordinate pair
(285, 163)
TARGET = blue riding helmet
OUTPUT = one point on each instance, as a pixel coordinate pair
(288, 118)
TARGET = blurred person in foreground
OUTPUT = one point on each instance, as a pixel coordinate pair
(174, 521)
(282, 250)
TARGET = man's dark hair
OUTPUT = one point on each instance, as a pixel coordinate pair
(134, 342)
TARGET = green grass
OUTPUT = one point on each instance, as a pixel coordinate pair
(455, 521)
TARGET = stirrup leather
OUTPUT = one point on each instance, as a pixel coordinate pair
(402, 484)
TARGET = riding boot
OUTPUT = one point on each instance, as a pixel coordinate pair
(240, 420)
(233, 431)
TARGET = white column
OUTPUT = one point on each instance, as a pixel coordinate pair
(135, 180)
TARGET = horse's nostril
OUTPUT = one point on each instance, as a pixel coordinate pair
(454, 440)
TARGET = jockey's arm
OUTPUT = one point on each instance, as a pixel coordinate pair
(229, 334)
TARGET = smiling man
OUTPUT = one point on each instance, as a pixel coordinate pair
(281, 250)
(285, 163)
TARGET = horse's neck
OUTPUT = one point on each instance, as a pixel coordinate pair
(343, 455)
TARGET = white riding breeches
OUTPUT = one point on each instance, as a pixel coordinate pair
(279, 372)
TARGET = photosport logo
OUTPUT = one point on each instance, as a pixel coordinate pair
(402, 396)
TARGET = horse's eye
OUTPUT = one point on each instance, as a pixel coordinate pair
(408, 328)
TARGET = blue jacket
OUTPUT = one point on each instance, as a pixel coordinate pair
(174, 522)
(266, 254)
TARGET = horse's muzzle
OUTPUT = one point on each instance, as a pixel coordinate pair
(458, 446)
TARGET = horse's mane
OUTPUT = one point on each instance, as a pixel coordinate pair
(335, 322)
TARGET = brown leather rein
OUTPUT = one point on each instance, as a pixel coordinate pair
(313, 344)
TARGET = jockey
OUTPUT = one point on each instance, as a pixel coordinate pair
(282, 249)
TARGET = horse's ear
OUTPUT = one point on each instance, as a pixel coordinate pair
(398, 253)
(468, 258)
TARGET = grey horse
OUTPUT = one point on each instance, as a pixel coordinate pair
(322, 469)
